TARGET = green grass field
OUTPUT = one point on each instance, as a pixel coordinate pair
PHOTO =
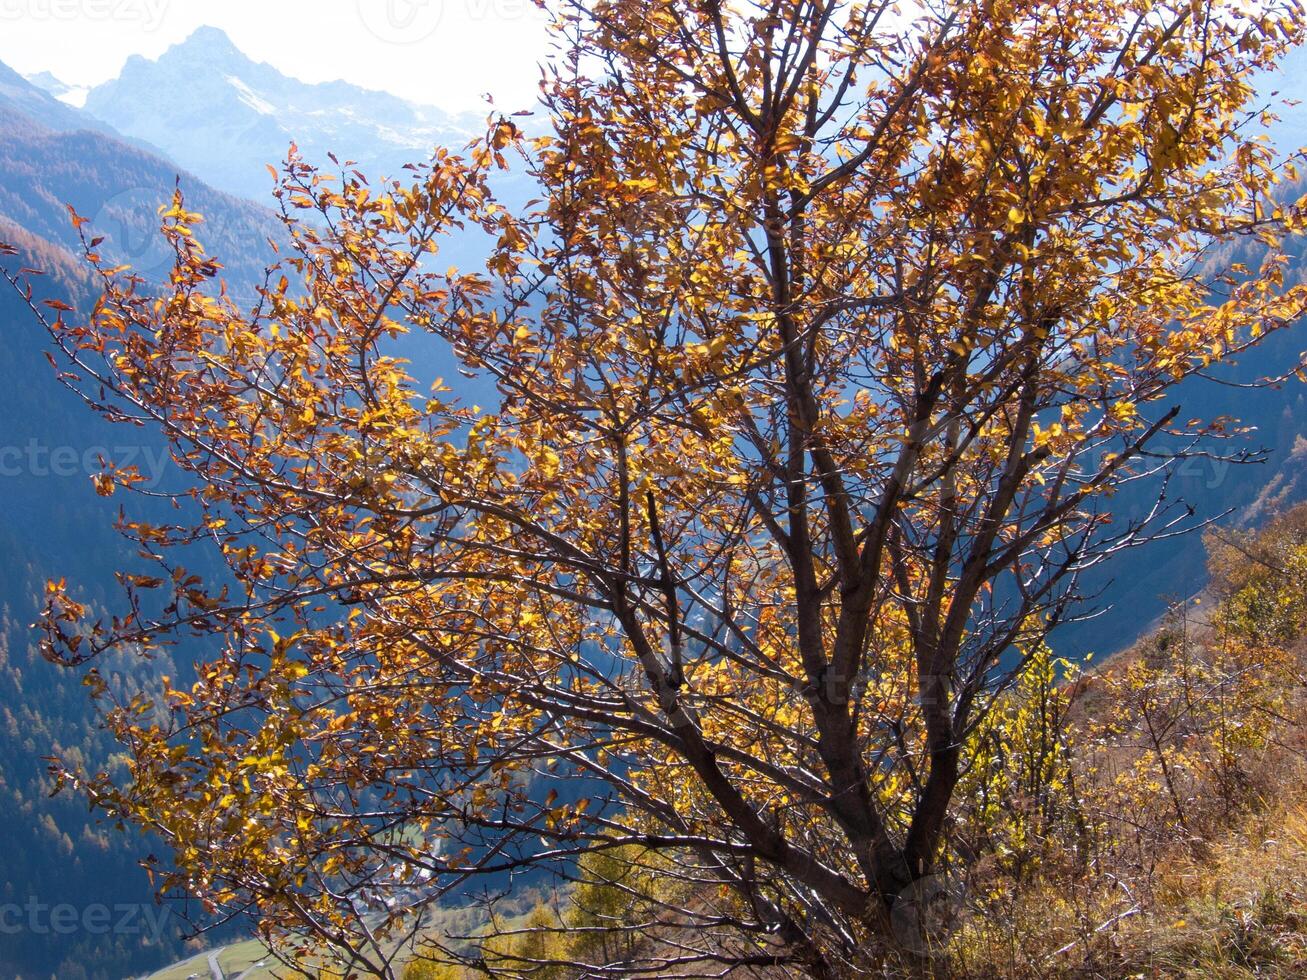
(240, 957)
(235, 960)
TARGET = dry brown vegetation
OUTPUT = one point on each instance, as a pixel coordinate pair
(1178, 845)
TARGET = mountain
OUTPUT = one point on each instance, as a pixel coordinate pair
(204, 94)
(21, 95)
(1130, 594)
(73, 95)
(120, 188)
(57, 855)
(1133, 591)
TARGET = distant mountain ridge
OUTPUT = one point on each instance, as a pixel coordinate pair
(73, 95)
(38, 101)
(251, 112)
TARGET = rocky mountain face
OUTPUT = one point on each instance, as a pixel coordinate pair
(205, 95)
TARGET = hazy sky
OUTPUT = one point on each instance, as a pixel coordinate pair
(444, 52)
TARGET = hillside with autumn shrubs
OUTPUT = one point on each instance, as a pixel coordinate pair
(1146, 817)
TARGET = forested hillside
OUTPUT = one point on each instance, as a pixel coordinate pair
(1267, 422)
(53, 524)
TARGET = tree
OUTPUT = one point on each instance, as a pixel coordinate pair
(819, 362)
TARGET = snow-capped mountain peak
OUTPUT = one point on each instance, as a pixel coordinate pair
(204, 93)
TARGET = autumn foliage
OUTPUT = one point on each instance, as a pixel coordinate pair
(819, 360)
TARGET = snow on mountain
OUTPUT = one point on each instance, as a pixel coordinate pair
(37, 101)
(73, 95)
(225, 117)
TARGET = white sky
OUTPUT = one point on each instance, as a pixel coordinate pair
(441, 52)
